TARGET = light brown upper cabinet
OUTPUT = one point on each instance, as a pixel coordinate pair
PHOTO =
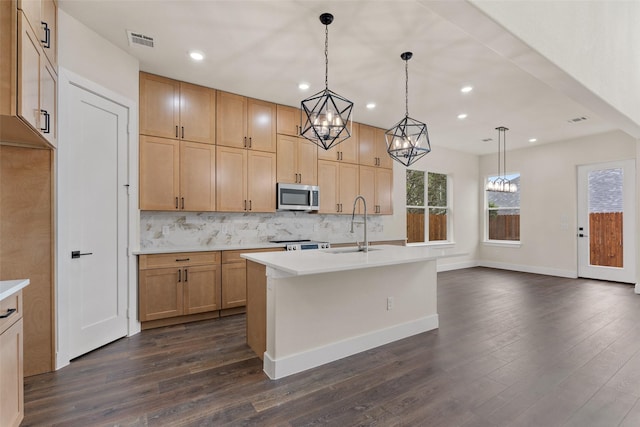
(288, 120)
(177, 175)
(346, 151)
(176, 110)
(338, 184)
(297, 161)
(375, 185)
(29, 81)
(373, 147)
(245, 122)
(246, 180)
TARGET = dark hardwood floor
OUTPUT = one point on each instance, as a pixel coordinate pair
(513, 349)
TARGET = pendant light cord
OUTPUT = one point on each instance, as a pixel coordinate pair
(326, 57)
(406, 87)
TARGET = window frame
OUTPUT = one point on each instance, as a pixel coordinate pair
(426, 208)
(496, 242)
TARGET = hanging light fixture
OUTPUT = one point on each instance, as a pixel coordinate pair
(408, 140)
(501, 183)
(327, 115)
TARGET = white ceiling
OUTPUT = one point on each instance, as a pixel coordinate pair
(264, 48)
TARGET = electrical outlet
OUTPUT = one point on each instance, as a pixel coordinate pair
(389, 303)
(165, 230)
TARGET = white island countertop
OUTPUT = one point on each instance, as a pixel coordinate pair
(342, 259)
(10, 287)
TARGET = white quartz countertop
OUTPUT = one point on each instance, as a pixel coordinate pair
(340, 259)
(10, 287)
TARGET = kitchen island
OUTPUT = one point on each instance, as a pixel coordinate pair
(308, 308)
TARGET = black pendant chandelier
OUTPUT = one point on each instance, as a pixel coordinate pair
(327, 115)
(408, 140)
(501, 184)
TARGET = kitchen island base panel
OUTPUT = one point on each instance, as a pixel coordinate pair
(318, 318)
(299, 362)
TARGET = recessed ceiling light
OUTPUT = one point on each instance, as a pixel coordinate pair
(196, 56)
(462, 116)
(466, 89)
(303, 86)
(371, 105)
(532, 140)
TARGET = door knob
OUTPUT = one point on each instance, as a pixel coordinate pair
(77, 254)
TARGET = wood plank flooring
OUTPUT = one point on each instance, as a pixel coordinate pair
(513, 349)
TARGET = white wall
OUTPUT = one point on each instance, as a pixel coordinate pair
(464, 173)
(548, 202)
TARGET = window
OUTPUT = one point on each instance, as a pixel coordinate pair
(432, 216)
(503, 212)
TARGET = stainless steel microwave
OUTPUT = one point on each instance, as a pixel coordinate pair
(297, 197)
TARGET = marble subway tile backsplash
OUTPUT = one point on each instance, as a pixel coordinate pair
(203, 229)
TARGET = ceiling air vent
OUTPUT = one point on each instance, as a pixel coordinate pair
(139, 39)
(577, 119)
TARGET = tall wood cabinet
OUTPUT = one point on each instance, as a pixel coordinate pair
(246, 180)
(373, 148)
(177, 175)
(346, 151)
(288, 120)
(376, 186)
(11, 362)
(245, 122)
(28, 74)
(338, 184)
(176, 110)
(297, 160)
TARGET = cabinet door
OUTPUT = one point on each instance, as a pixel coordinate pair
(50, 30)
(307, 162)
(11, 376)
(234, 285)
(349, 147)
(201, 288)
(161, 293)
(367, 147)
(159, 106)
(368, 188)
(197, 176)
(231, 120)
(231, 179)
(261, 122)
(32, 10)
(328, 176)
(29, 74)
(287, 159)
(197, 113)
(384, 160)
(159, 173)
(288, 120)
(48, 84)
(348, 186)
(384, 185)
(261, 181)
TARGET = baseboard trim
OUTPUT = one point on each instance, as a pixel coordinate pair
(289, 365)
(530, 269)
(456, 265)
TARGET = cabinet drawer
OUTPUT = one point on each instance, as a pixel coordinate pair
(13, 307)
(182, 259)
(234, 256)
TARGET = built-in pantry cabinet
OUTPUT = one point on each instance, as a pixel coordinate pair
(28, 73)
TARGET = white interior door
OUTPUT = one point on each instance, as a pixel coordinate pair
(95, 213)
(606, 221)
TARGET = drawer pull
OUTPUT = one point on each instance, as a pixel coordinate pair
(9, 313)
(182, 259)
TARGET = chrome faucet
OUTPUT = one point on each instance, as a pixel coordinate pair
(365, 247)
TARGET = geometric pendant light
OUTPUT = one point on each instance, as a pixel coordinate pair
(408, 140)
(326, 116)
(501, 184)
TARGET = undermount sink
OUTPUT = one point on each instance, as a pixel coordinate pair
(348, 250)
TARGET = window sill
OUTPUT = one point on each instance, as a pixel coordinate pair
(502, 243)
(434, 244)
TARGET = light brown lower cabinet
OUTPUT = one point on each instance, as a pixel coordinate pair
(11, 362)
